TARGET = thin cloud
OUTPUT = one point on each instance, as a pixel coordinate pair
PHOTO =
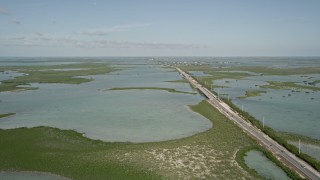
(3, 11)
(96, 32)
(27, 43)
(117, 28)
(14, 21)
(39, 34)
(17, 38)
(40, 39)
(153, 45)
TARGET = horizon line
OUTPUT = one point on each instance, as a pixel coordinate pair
(150, 56)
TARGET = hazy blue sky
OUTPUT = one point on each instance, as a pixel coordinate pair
(159, 28)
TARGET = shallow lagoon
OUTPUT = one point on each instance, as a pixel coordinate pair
(92, 109)
(264, 167)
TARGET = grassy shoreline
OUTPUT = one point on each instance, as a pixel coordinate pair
(271, 157)
(277, 71)
(213, 154)
(274, 135)
(296, 137)
(269, 131)
(151, 88)
(45, 74)
(252, 93)
(216, 74)
(61, 152)
(289, 86)
(6, 115)
(210, 154)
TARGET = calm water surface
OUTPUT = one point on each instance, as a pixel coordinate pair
(264, 167)
(283, 110)
(91, 108)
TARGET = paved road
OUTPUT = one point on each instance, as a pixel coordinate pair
(278, 150)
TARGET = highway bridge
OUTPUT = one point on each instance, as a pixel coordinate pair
(277, 150)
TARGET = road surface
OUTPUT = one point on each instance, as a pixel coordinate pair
(278, 150)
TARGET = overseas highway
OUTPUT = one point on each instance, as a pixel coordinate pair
(281, 153)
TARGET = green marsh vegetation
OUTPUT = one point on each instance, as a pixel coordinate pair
(211, 154)
(212, 74)
(297, 137)
(151, 88)
(316, 82)
(276, 71)
(178, 81)
(243, 152)
(294, 138)
(278, 136)
(289, 86)
(52, 74)
(6, 115)
(252, 93)
(284, 72)
(63, 152)
(216, 73)
(216, 153)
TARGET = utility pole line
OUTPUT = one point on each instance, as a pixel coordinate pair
(282, 153)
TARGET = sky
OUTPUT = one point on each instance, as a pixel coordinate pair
(160, 28)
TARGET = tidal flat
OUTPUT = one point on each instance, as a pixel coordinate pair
(142, 114)
(68, 151)
(210, 154)
(49, 74)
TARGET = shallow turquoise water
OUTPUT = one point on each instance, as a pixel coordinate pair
(29, 176)
(283, 110)
(92, 109)
(264, 167)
